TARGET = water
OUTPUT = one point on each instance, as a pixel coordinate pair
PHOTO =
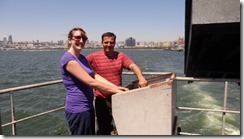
(27, 67)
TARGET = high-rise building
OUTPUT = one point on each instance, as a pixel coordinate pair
(130, 42)
(10, 39)
(4, 39)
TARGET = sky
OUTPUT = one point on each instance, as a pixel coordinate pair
(51, 20)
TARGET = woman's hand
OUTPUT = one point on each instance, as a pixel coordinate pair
(123, 88)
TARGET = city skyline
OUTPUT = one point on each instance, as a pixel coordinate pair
(9, 38)
(155, 20)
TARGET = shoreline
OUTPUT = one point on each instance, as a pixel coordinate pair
(55, 49)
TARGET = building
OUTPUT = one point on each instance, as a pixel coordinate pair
(10, 39)
(4, 39)
(130, 42)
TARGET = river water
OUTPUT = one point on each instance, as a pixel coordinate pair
(28, 67)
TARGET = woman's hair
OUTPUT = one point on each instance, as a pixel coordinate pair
(83, 34)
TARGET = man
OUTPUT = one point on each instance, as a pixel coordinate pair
(110, 64)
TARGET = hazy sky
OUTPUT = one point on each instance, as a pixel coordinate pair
(51, 20)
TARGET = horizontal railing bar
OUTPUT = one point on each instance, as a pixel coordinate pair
(33, 116)
(124, 73)
(185, 133)
(147, 73)
(211, 110)
(186, 78)
(29, 86)
(60, 81)
(206, 79)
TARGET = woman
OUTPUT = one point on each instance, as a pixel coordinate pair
(79, 80)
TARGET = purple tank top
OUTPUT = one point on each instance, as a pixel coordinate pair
(79, 96)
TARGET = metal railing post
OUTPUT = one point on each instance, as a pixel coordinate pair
(12, 112)
(224, 107)
(1, 131)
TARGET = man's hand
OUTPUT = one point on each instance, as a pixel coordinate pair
(171, 79)
(142, 83)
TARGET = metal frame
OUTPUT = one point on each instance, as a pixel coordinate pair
(13, 123)
(1, 132)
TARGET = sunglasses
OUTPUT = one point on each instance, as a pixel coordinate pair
(77, 38)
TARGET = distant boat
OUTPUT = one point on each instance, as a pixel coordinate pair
(181, 49)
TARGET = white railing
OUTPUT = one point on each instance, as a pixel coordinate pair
(12, 108)
(14, 121)
(223, 111)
